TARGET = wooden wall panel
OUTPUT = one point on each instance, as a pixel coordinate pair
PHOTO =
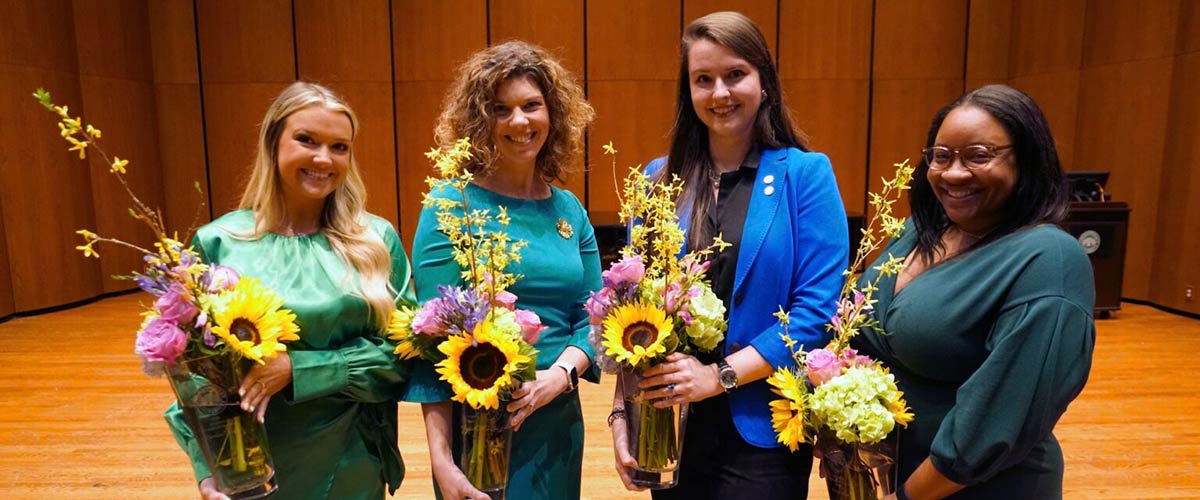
(764, 13)
(637, 140)
(172, 27)
(1178, 233)
(833, 112)
(1047, 37)
(38, 34)
(989, 39)
(1058, 95)
(246, 58)
(325, 33)
(115, 72)
(650, 28)
(125, 111)
(46, 190)
(900, 121)
(1188, 39)
(180, 125)
(1121, 128)
(431, 39)
(1118, 31)
(245, 41)
(6, 289)
(825, 39)
(556, 26)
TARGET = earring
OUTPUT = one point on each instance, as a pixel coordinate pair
(764, 94)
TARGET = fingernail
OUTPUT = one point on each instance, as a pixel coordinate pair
(241, 392)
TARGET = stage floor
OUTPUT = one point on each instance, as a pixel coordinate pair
(78, 420)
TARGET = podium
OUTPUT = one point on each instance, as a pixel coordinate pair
(1101, 228)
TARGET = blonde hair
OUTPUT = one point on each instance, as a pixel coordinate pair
(344, 218)
(467, 109)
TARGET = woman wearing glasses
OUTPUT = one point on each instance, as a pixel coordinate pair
(990, 328)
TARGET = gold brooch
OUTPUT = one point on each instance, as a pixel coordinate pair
(564, 229)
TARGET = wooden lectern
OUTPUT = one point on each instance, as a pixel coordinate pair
(1101, 227)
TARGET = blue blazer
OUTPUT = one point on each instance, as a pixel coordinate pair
(794, 248)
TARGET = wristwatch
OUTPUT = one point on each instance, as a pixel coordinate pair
(726, 376)
(572, 374)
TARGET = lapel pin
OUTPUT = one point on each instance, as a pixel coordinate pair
(768, 179)
(769, 190)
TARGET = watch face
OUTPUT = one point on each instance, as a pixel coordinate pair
(728, 378)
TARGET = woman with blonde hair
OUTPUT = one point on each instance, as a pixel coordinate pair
(525, 116)
(329, 401)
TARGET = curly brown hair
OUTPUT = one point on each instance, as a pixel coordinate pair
(467, 108)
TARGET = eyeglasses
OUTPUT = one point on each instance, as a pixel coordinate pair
(974, 156)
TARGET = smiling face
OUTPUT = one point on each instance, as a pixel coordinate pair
(726, 90)
(313, 155)
(521, 124)
(974, 199)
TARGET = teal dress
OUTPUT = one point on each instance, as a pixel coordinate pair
(332, 432)
(560, 266)
(989, 348)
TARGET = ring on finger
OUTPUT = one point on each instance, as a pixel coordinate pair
(261, 385)
(670, 387)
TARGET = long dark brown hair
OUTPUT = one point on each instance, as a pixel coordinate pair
(689, 157)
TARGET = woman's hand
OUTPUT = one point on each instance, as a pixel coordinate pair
(680, 379)
(534, 394)
(624, 461)
(454, 484)
(263, 381)
(209, 491)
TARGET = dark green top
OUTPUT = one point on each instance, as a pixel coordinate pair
(989, 348)
(332, 432)
(560, 266)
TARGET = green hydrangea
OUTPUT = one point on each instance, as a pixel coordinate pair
(854, 405)
(708, 320)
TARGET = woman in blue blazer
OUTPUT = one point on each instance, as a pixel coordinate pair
(748, 177)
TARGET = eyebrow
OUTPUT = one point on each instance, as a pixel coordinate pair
(310, 132)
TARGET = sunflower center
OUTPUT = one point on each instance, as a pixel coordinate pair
(482, 363)
(244, 329)
(641, 333)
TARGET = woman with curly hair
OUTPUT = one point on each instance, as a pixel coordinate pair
(525, 116)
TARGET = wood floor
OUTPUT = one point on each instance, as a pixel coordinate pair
(78, 420)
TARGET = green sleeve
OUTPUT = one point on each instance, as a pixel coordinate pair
(589, 254)
(434, 265)
(1040, 353)
(187, 441)
(364, 368)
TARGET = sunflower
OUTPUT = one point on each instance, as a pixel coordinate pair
(480, 365)
(250, 320)
(637, 332)
(400, 329)
(787, 412)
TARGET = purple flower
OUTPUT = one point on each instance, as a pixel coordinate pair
(531, 325)
(221, 278)
(461, 309)
(627, 271)
(671, 298)
(149, 285)
(176, 305)
(822, 365)
(160, 340)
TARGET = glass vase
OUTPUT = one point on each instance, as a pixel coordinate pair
(234, 443)
(857, 471)
(654, 435)
(486, 445)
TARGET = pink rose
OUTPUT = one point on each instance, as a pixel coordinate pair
(426, 320)
(822, 365)
(222, 278)
(176, 305)
(531, 325)
(598, 304)
(625, 272)
(160, 340)
(506, 300)
(851, 358)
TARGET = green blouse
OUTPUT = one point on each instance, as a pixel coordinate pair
(989, 348)
(560, 267)
(332, 432)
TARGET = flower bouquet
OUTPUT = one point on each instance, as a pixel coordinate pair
(844, 403)
(653, 303)
(479, 342)
(204, 329)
